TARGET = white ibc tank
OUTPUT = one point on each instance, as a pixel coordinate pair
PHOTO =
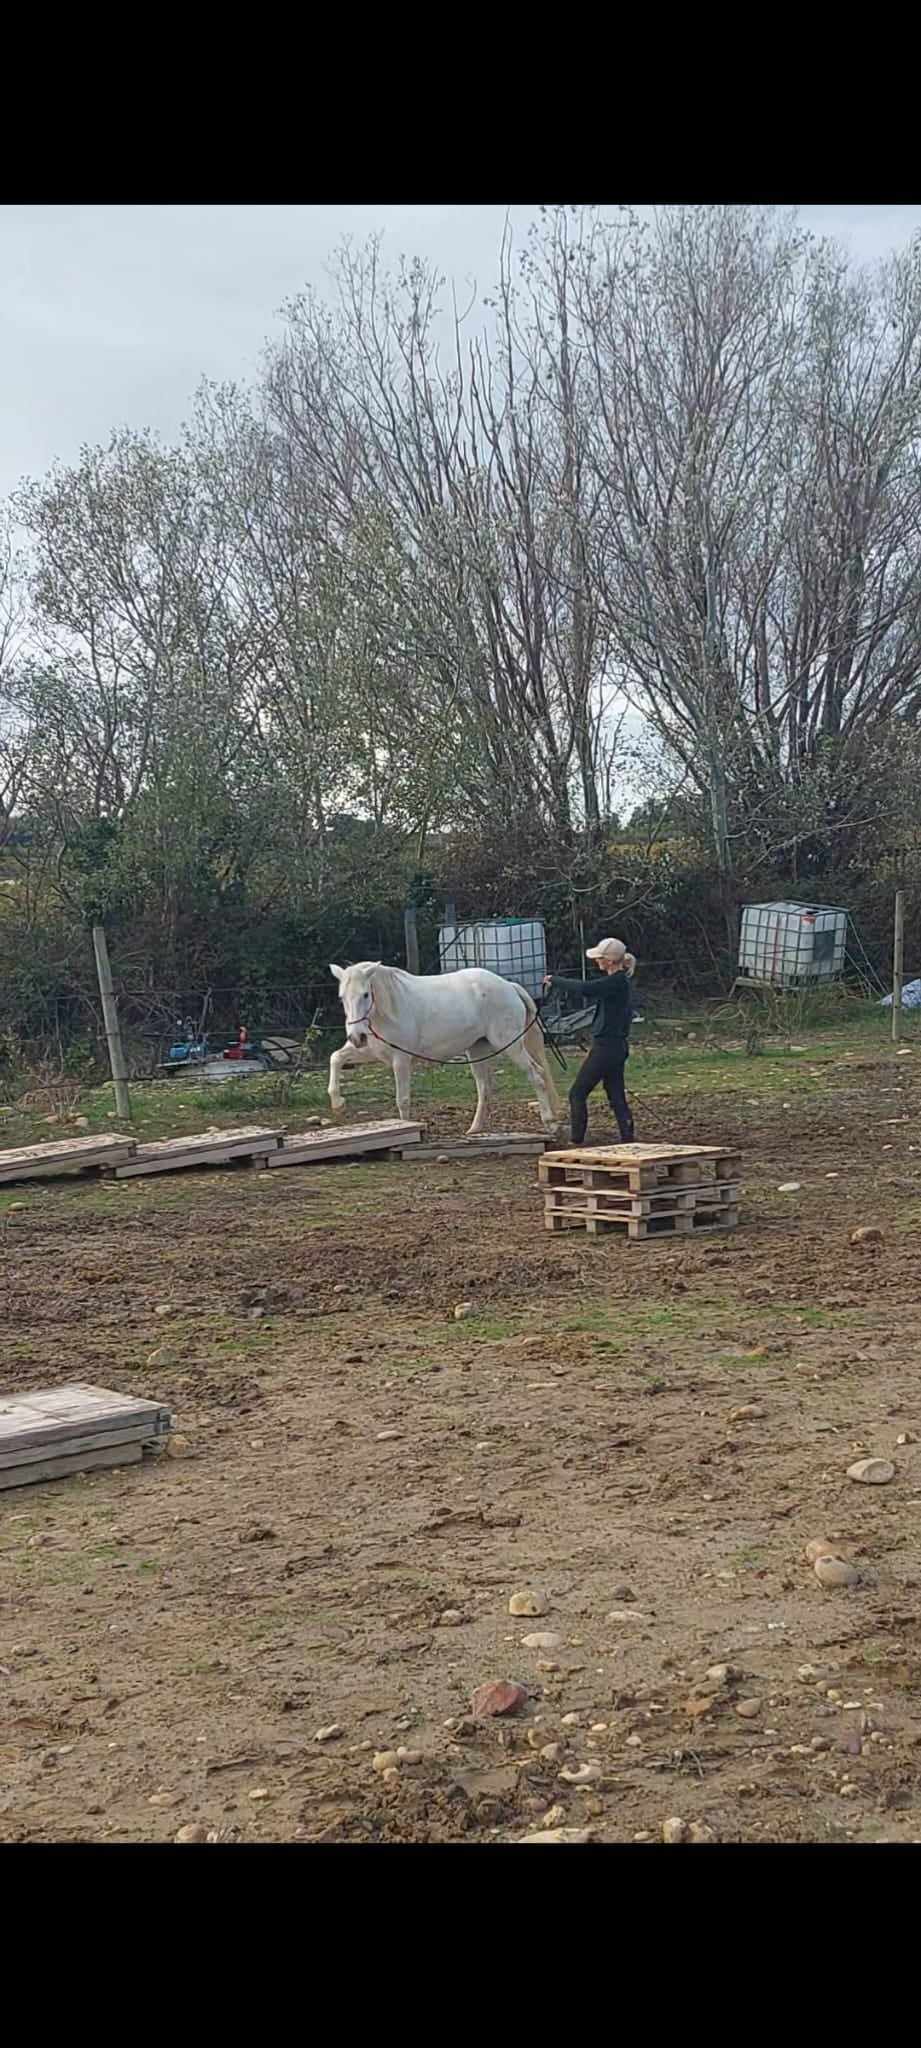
(792, 945)
(515, 947)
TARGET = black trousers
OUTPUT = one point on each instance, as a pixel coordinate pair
(605, 1063)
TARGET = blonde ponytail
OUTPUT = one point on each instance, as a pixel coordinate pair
(629, 963)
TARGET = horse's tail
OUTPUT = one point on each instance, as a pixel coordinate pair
(537, 1047)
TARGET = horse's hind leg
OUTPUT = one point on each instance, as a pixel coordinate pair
(535, 1073)
(483, 1070)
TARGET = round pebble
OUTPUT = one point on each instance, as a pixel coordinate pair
(748, 1709)
(581, 1774)
(499, 1696)
(543, 1639)
(835, 1571)
(527, 1603)
(384, 1760)
(872, 1471)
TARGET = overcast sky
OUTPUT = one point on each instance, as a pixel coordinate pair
(110, 315)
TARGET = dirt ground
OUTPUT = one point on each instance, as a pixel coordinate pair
(359, 1466)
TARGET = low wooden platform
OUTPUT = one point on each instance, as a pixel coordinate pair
(504, 1145)
(58, 1431)
(65, 1155)
(346, 1141)
(640, 1191)
(204, 1148)
(641, 1169)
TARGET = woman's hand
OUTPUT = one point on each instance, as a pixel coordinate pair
(545, 984)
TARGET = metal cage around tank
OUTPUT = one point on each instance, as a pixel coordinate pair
(515, 947)
(792, 945)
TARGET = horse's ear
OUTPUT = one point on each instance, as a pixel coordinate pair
(337, 971)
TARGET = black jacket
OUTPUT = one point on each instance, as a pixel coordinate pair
(613, 1008)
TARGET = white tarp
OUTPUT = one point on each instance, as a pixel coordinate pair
(911, 997)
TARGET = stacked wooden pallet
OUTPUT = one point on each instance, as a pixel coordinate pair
(641, 1191)
(59, 1431)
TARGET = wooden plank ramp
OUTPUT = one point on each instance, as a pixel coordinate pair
(58, 1431)
(202, 1148)
(344, 1141)
(65, 1155)
(501, 1145)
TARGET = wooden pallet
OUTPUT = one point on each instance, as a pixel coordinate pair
(64, 1155)
(603, 1201)
(680, 1223)
(310, 1148)
(638, 1169)
(504, 1145)
(205, 1148)
(58, 1431)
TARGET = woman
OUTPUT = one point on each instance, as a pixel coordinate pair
(610, 1034)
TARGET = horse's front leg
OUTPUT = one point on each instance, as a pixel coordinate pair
(339, 1059)
(402, 1080)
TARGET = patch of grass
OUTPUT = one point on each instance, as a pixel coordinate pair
(749, 1559)
(485, 1329)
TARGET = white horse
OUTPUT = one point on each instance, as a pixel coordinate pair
(395, 1017)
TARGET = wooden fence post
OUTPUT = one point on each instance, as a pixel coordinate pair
(412, 938)
(110, 1017)
(898, 948)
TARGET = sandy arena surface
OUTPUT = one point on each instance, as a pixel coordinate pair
(644, 1436)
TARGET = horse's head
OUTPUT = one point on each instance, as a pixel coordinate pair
(356, 994)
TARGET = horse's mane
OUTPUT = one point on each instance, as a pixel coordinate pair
(386, 980)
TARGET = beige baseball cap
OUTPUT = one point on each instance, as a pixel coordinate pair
(606, 949)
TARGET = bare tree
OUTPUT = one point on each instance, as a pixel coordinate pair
(476, 473)
(15, 729)
(757, 443)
